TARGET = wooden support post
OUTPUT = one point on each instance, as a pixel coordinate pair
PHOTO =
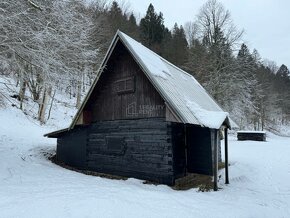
(185, 149)
(226, 157)
(214, 142)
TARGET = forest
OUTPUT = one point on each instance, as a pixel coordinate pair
(55, 46)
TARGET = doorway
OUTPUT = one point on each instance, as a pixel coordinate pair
(199, 150)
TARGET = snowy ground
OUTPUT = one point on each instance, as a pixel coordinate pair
(31, 186)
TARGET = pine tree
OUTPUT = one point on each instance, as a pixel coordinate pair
(132, 27)
(166, 45)
(283, 72)
(152, 29)
(282, 82)
(268, 97)
(248, 92)
(116, 18)
(179, 46)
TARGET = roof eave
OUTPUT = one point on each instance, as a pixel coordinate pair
(55, 134)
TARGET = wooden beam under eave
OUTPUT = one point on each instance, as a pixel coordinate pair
(226, 157)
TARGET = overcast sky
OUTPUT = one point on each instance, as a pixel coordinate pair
(266, 22)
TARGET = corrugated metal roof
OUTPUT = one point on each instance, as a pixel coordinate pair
(183, 93)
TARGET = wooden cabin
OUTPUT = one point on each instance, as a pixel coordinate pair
(144, 118)
(251, 135)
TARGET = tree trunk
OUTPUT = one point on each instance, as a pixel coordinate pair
(79, 94)
(84, 82)
(22, 92)
(52, 99)
(43, 106)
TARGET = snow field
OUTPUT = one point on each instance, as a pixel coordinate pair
(31, 186)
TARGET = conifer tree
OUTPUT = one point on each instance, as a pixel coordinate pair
(179, 46)
(282, 83)
(116, 18)
(152, 29)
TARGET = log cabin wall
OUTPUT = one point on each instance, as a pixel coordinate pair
(139, 148)
(71, 148)
(124, 91)
(149, 148)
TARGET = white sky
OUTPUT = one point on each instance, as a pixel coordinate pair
(266, 22)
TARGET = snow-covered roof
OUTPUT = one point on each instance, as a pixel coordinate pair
(251, 131)
(183, 93)
(180, 90)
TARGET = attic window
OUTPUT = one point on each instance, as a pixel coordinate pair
(125, 85)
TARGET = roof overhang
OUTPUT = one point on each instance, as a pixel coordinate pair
(57, 133)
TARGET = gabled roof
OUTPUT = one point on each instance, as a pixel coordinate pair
(180, 91)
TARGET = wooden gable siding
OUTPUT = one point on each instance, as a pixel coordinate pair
(124, 91)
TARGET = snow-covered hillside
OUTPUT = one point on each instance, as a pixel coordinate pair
(61, 107)
(31, 186)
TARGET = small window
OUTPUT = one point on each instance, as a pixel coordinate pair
(125, 85)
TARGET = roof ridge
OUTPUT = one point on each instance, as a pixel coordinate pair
(163, 59)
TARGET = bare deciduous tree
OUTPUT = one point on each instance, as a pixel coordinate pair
(214, 17)
(46, 42)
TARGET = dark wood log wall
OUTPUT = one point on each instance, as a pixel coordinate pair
(124, 92)
(133, 148)
(71, 148)
(149, 148)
